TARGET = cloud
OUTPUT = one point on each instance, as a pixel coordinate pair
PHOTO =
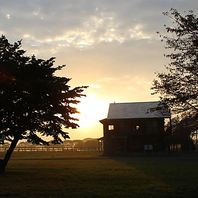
(100, 41)
(110, 45)
(85, 23)
(95, 86)
(106, 79)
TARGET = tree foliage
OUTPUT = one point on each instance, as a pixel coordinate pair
(179, 86)
(183, 132)
(34, 102)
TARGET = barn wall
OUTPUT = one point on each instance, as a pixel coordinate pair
(131, 135)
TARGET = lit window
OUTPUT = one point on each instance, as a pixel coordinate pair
(137, 128)
(111, 127)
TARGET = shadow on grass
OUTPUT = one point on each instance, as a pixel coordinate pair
(88, 175)
(166, 176)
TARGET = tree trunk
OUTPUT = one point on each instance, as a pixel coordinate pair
(2, 167)
(4, 162)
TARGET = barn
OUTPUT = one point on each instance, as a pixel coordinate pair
(136, 127)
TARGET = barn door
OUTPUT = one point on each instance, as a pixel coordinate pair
(120, 146)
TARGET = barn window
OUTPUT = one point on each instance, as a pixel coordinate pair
(111, 127)
(137, 128)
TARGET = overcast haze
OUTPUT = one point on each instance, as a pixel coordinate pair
(109, 45)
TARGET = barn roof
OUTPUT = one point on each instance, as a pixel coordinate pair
(136, 110)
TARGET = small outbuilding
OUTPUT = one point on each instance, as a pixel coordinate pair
(136, 127)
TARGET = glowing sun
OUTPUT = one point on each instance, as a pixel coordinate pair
(91, 110)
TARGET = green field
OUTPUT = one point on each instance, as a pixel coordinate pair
(89, 174)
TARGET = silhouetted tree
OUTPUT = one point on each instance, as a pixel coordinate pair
(179, 86)
(182, 130)
(34, 102)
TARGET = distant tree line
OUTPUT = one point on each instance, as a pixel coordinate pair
(85, 143)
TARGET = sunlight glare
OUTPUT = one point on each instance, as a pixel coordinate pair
(91, 110)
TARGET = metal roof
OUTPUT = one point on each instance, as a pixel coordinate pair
(136, 110)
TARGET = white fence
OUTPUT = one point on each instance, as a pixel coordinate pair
(36, 149)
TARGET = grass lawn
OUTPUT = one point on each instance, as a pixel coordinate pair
(90, 175)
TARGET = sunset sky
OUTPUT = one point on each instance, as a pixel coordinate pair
(109, 45)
